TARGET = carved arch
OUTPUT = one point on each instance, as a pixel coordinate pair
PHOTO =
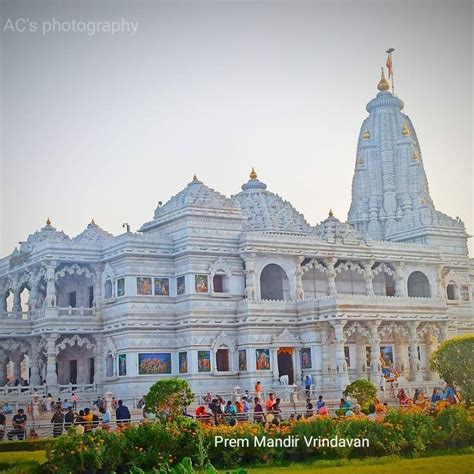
(313, 263)
(74, 269)
(357, 328)
(383, 267)
(223, 340)
(220, 265)
(351, 266)
(73, 341)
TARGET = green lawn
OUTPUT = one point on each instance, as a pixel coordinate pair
(22, 456)
(461, 464)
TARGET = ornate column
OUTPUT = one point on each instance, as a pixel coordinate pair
(400, 289)
(3, 368)
(274, 366)
(297, 364)
(51, 299)
(330, 263)
(51, 375)
(97, 288)
(361, 359)
(369, 278)
(440, 292)
(429, 350)
(375, 368)
(342, 377)
(98, 361)
(250, 283)
(415, 365)
(324, 355)
(16, 359)
(34, 358)
(299, 278)
(17, 297)
(33, 301)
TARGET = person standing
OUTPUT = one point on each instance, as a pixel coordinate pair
(258, 415)
(58, 423)
(69, 418)
(269, 403)
(3, 424)
(122, 414)
(19, 426)
(308, 381)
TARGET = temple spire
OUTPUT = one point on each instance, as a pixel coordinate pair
(253, 174)
(383, 84)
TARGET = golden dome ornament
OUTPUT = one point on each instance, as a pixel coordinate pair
(383, 84)
(253, 174)
(366, 134)
(405, 130)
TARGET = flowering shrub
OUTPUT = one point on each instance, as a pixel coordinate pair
(163, 445)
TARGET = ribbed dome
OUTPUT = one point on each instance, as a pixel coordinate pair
(332, 228)
(92, 234)
(268, 212)
(196, 197)
(48, 233)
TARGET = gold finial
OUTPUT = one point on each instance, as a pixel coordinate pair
(415, 156)
(253, 174)
(92, 221)
(195, 178)
(383, 84)
(405, 130)
(331, 214)
(366, 134)
(48, 221)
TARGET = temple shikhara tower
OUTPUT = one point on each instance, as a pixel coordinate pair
(224, 291)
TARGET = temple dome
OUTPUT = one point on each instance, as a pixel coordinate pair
(332, 228)
(268, 212)
(48, 234)
(92, 234)
(196, 198)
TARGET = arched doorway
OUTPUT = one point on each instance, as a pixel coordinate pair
(274, 283)
(285, 363)
(418, 285)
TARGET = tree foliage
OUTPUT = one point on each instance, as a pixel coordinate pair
(168, 397)
(362, 390)
(453, 360)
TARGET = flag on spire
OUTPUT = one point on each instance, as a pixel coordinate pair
(389, 62)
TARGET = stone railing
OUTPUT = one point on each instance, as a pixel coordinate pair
(15, 315)
(14, 392)
(81, 311)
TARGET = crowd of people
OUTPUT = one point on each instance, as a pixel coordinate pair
(215, 410)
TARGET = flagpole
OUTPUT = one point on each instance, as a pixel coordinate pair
(389, 52)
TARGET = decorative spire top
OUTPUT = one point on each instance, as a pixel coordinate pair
(405, 130)
(253, 174)
(383, 84)
(366, 134)
(92, 222)
(48, 221)
(331, 214)
(195, 178)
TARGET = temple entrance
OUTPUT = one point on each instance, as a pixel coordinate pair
(73, 371)
(285, 363)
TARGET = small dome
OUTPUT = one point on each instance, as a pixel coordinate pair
(332, 228)
(268, 212)
(92, 234)
(197, 196)
(48, 233)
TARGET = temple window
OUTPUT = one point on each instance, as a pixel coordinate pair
(121, 287)
(72, 299)
(350, 282)
(274, 283)
(419, 285)
(9, 301)
(25, 299)
(109, 365)
(222, 360)
(452, 291)
(384, 284)
(220, 283)
(91, 296)
(108, 288)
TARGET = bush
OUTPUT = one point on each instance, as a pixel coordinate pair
(453, 362)
(27, 445)
(169, 397)
(362, 390)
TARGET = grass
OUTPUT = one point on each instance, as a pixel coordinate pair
(461, 464)
(16, 457)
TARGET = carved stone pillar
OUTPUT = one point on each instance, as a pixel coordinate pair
(274, 366)
(400, 289)
(98, 361)
(16, 359)
(17, 299)
(361, 359)
(297, 365)
(97, 288)
(369, 278)
(330, 263)
(51, 285)
(342, 377)
(51, 375)
(250, 280)
(415, 364)
(375, 366)
(34, 358)
(299, 278)
(33, 301)
(429, 342)
(324, 355)
(3, 368)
